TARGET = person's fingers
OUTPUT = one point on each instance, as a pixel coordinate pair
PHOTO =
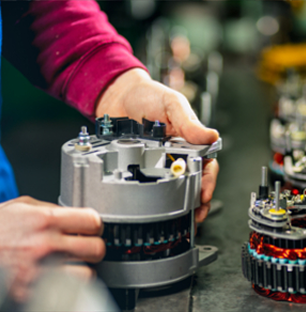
(89, 249)
(83, 272)
(35, 202)
(29, 201)
(75, 221)
(209, 179)
(202, 212)
(184, 120)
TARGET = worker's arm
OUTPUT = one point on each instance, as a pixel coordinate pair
(82, 60)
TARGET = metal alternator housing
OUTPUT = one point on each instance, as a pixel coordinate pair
(123, 173)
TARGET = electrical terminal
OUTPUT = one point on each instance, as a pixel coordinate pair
(178, 167)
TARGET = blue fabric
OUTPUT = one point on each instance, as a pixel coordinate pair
(8, 188)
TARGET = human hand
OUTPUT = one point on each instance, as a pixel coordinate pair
(31, 230)
(136, 95)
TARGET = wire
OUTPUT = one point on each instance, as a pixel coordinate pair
(171, 157)
(256, 242)
(280, 296)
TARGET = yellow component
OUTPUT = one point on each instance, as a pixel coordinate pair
(276, 60)
(298, 135)
(302, 197)
(178, 167)
(296, 4)
(171, 157)
(278, 212)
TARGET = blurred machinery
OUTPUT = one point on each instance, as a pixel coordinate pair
(287, 127)
(295, 159)
(274, 259)
(146, 186)
(181, 56)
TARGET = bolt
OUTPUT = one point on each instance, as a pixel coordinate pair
(84, 140)
(84, 137)
(264, 176)
(107, 125)
(277, 193)
(106, 118)
(157, 124)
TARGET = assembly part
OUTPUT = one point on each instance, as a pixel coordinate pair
(162, 272)
(148, 191)
(274, 259)
(83, 144)
(263, 188)
(178, 167)
(146, 205)
(277, 192)
(106, 125)
(275, 276)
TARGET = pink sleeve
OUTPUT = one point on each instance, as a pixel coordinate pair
(78, 52)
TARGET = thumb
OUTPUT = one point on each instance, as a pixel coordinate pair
(196, 133)
(185, 122)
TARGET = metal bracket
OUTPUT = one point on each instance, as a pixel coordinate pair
(145, 274)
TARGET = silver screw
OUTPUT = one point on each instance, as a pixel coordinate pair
(84, 137)
(107, 125)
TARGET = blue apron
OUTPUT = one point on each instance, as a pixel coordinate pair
(8, 188)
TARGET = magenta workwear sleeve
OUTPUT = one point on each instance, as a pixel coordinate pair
(77, 51)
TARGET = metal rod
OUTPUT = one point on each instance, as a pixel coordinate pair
(264, 176)
(277, 193)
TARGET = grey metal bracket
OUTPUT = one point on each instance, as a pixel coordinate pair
(145, 274)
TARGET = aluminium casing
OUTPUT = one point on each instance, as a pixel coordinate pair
(99, 178)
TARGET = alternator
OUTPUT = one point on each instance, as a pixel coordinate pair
(145, 186)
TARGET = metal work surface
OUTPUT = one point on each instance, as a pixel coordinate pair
(173, 299)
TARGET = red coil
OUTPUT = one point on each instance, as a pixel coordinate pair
(256, 242)
(279, 296)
